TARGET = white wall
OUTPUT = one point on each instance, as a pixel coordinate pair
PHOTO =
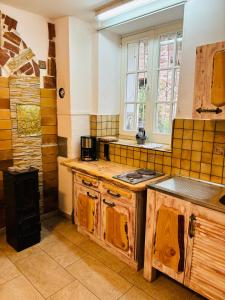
(204, 23)
(74, 74)
(109, 62)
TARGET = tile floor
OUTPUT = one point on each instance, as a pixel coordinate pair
(66, 265)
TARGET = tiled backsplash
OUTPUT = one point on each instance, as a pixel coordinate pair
(198, 148)
(103, 125)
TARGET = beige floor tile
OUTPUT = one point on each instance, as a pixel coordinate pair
(62, 251)
(12, 254)
(136, 294)
(69, 231)
(99, 279)
(73, 291)
(19, 289)
(8, 270)
(103, 255)
(44, 273)
(162, 288)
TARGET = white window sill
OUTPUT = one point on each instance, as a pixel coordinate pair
(152, 146)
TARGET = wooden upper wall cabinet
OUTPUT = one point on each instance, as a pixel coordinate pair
(209, 90)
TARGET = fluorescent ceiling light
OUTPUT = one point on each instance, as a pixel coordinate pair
(121, 9)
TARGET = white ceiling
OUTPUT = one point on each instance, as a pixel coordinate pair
(58, 8)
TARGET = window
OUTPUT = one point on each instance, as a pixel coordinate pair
(151, 69)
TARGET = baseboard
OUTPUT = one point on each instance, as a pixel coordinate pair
(65, 215)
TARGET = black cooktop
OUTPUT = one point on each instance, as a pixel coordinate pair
(138, 176)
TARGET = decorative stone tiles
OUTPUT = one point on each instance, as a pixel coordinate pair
(14, 53)
(26, 149)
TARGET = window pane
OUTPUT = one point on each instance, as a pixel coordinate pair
(141, 115)
(132, 57)
(166, 58)
(165, 85)
(163, 118)
(142, 84)
(176, 84)
(130, 117)
(131, 87)
(143, 55)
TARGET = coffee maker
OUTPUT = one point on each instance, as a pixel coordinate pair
(89, 148)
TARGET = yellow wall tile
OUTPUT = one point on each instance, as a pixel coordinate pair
(188, 124)
(204, 177)
(187, 134)
(210, 125)
(137, 154)
(167, 161)
(220, 125)
(186, 154)
(197, 145)
(150, 165)
(207, 147)
(198, 124)
(178, 133)
(206, 158)
(217, 171)
(197, 135)
(194, 175)
(185, 173)
(176, 163)
(196, 156)
(216, 179)
(217, 159)
(195, 166)
(179, 123)
(187, 144)
(205, 168)
(185, 164)
(177, 143)
(208, 136)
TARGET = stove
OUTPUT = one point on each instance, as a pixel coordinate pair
(138, 176)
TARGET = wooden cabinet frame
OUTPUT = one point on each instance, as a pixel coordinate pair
(204, 246)
(131, 204)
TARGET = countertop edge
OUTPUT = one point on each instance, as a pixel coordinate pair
(133, 188)
(188, 199)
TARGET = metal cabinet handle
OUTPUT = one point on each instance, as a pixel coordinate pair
(92, 196)
(209, 110)
(87, 183)
(116, 195)
(191, 228)
(109, 203)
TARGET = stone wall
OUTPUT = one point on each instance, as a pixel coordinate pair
(20, 93)
(26, 149)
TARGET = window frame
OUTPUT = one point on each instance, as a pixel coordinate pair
(153, 37)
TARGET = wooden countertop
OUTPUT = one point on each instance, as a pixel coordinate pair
(105, 170)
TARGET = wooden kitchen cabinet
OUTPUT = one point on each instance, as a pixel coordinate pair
(203, 244)
(166, 235)
(209, 88)
(205, 266)
(87, 209)
(112, 216)
(118, 224)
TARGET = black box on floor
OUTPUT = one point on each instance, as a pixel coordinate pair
(21, 194)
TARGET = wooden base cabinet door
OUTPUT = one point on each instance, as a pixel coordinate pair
(118, 223)
(170, 227)
(205, 270)
(87, 209)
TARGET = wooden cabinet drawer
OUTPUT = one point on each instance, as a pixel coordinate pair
(86, 180)
(113, 192)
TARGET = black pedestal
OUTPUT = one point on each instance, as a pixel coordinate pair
(21, 195)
